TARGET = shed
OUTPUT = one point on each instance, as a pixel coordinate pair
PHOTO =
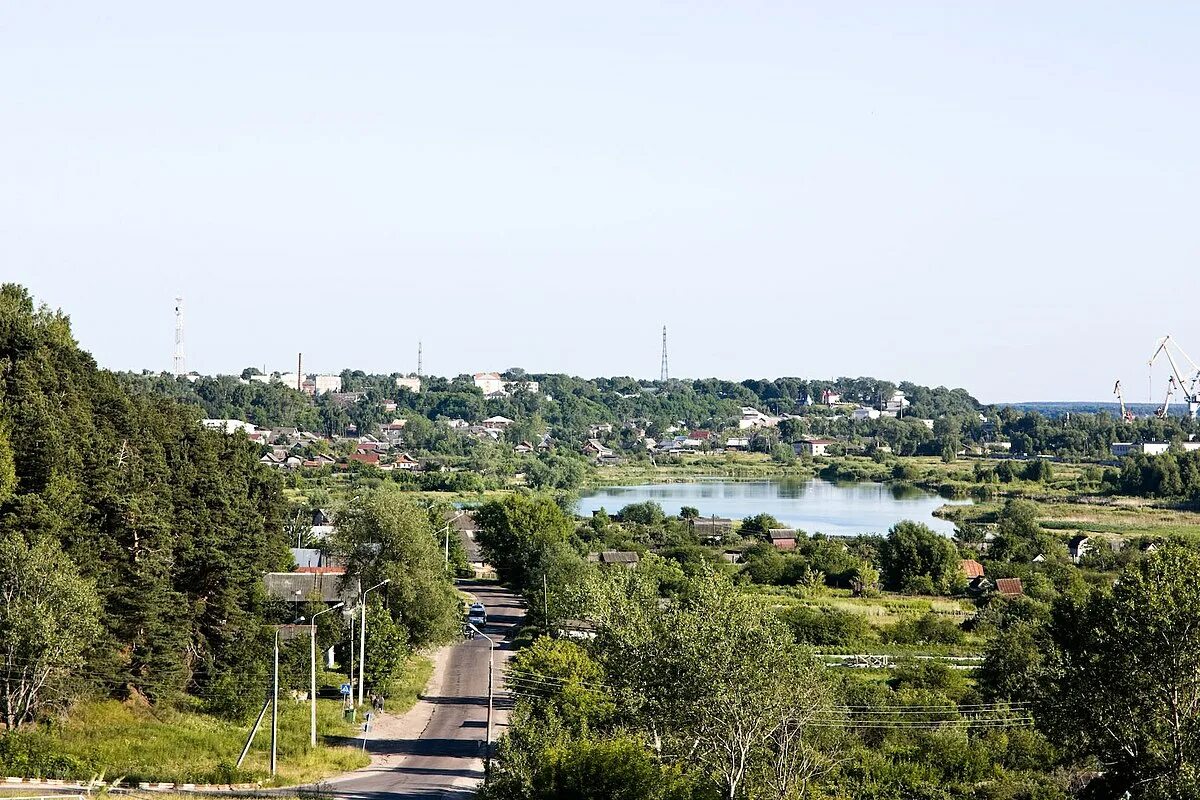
(971, 568)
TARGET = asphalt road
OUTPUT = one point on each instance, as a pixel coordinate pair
(446, 759)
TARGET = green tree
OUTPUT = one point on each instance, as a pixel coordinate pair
(515, 530)
(1124, 677)
(913, 551)
(759, 524)
(48, 618)
(387, 649)
(386, 535)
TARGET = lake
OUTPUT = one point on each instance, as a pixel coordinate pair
(836, 509)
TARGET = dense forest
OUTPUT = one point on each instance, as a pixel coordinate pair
(163, 528)
(133, 543)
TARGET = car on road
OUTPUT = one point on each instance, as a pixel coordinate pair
(477, 614)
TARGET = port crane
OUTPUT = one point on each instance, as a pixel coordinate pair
(1190, 390)
(1126, 415)
(1161, 413)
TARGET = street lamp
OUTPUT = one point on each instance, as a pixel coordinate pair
(447, 530)
(362, 632)
(312, 683)
(491, 669)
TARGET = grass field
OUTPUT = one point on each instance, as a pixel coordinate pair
(171, 744)
(144, 743)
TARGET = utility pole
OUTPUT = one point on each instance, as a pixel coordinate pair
(275, 707)
(362, 641)
(312, 683)
(546, 602)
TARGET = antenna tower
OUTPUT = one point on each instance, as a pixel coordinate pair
(178, 363)
(664, 373)
(418, 358)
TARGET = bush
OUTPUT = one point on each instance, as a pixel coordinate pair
(928, 629)
(30, 755)
(826, 626)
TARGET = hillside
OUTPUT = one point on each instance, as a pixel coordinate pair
(167, 526)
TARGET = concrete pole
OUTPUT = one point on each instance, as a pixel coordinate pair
(275, 707)
(312, 682)
(362, 637)
(362, 648)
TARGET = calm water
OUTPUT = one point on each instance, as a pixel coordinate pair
(837, 509)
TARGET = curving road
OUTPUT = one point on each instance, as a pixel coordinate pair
(436, 750)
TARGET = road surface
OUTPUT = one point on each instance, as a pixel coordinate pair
(436, 750)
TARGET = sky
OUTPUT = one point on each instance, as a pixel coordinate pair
(998, 196)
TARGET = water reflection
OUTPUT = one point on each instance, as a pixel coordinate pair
(839, 509)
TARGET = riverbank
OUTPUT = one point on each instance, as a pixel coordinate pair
(1070, 500)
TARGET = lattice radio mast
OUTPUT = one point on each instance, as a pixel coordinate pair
(418, 358)
(178, 363)
(664, 373)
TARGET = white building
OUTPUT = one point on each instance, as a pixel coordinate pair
(862, 412)
(489, 382)
(412, 384)
(898, 402)
(753, 418)
(290, 379)
(327, 383)
(228, 425)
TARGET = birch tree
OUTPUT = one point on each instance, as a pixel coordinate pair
(49, 615)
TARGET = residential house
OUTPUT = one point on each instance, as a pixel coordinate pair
(862, 413)
(521, 448)
(1009, 587)
(782, 538)
(753, 418)
(813, 447)
(497, 423)
(830, 397)
(405, 462)
(737, 443)
(971, 568)
(897, 403)
(371, 458)
(625, 558)
(321, 584)
(712, 530)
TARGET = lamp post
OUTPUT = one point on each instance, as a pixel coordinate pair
(446, 529)
(362, 633)
(491, 672)
(312, 682)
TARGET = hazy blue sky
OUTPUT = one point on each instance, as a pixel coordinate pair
(998, 196)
